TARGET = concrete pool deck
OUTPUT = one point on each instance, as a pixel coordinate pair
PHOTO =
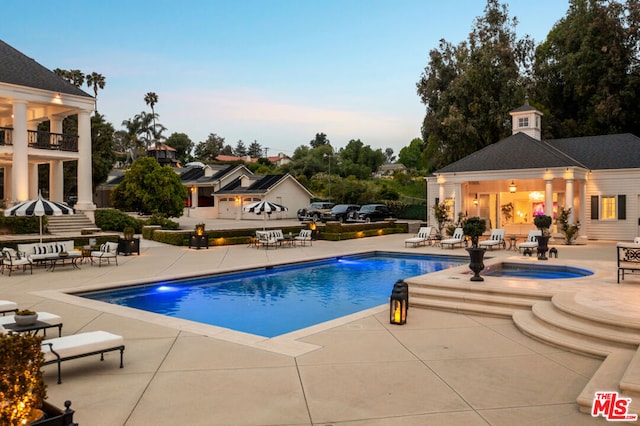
(439, 368)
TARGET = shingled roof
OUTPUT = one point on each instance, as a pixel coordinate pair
(17, 68)
(521, 151)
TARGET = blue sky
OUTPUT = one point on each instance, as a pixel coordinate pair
(274, 71)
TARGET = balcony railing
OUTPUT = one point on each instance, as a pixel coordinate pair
(42, 140)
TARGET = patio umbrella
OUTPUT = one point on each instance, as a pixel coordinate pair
(38, 207)
(264, 207)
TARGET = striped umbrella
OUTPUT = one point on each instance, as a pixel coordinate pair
(38, 207)
(266, 207)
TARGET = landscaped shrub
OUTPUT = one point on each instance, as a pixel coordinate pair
(21, 225)
(115, 220)
(165, 223)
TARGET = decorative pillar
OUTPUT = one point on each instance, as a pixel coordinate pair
(20, 170)
(33, 181)
(84, 177)
(548, 197)
(568, 202)
(56, 181)
(583, 208)
(457, 201)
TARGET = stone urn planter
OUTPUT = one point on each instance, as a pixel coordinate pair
(543, 223)
(26, 317)
(474, 227)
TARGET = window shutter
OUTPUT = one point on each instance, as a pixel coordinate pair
(594, 207)
(622, 207)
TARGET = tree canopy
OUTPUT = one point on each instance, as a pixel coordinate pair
(150, 188)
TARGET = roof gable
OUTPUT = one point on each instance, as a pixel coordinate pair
(20, 70)
(518, 151)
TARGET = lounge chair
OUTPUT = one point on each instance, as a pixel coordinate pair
(496, 239)
(7, 306)
(13, 260)
(456, 239)
(80, 345)
(266, 239)
(108, 251)
(304, 237)
(421, 238)
(531, 242)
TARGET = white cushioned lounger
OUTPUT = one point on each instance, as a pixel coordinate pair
(7, 306)
(80, 345)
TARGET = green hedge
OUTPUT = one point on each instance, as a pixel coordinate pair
(22, 224)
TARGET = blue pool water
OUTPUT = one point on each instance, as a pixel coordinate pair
(535, 271)
(271, 302)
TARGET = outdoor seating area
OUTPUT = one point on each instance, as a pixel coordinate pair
(107, 252)
(496, 239)
(457, 239)
(422, 238)
(276, 238)
(63, 348)
(628, 258)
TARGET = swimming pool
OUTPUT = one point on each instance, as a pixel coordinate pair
(546, 272)
(273, 301)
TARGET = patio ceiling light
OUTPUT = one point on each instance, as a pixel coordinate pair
(512, 187)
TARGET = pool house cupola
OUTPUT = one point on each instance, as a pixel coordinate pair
(526, 119)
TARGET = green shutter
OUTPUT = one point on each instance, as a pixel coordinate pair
(594, 207)
(622, 207)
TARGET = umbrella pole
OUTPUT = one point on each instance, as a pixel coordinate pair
(40, 229)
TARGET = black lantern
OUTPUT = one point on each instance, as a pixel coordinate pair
(399, 303)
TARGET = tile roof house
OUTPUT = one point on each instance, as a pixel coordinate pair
(31, 94)
(594, 176)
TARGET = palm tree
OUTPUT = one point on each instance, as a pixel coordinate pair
(133, 142)
(151, 99)
(76, 77)
(96, 81)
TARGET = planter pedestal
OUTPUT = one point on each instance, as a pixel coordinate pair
(543, 247)
(476, 256)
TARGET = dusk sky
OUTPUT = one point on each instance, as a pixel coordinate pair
(273, 71)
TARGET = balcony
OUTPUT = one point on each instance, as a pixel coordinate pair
(42, 140)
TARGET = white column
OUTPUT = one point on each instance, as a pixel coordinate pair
(548, 197)
(84, 177)
(8, 187)
(568, 201)
(441, 196)
(56, 180)
(194, 197)
(457, 201)
(33, 181)
(583, 208)
(20, 171)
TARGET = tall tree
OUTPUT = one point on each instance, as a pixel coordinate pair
(183, 146)
(75, 77)
(151, 99)
(240, 150)
(469, 89)
(95, 81)
(411, 156)
(319, 140)
(103, 156)
(208, 150)
(255, 150)
(586, 71)
(389, 157)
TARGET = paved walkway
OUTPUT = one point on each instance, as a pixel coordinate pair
(439, 368)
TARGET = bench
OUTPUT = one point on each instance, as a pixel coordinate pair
(628, 259)
(41, 252)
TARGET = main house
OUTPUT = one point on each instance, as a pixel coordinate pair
(31, 94)
(509, 182)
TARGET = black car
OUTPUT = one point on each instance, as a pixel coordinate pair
(374, 212)
(342, 213)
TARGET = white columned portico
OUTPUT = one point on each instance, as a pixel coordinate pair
(20, 170)
(56, 170)
(441, 193)
(583, 205)
(85, 188)
(457, 201)
(568, 202)
(548, 197)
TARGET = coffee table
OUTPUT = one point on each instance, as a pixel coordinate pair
(71, 257)
(47, 321)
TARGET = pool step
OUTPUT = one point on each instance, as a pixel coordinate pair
(468, 301)
(553, 316)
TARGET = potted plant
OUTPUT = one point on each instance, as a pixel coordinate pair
(129, 244)
(22, 387)
(440, 212)
(25, 317)
(543, 223)
(569, 231)
(473, 228)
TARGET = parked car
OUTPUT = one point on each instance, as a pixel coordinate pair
(374, 212)
(342, 213)
(315, 211)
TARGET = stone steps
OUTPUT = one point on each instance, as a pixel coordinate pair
(68, 224)
(555, 319)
